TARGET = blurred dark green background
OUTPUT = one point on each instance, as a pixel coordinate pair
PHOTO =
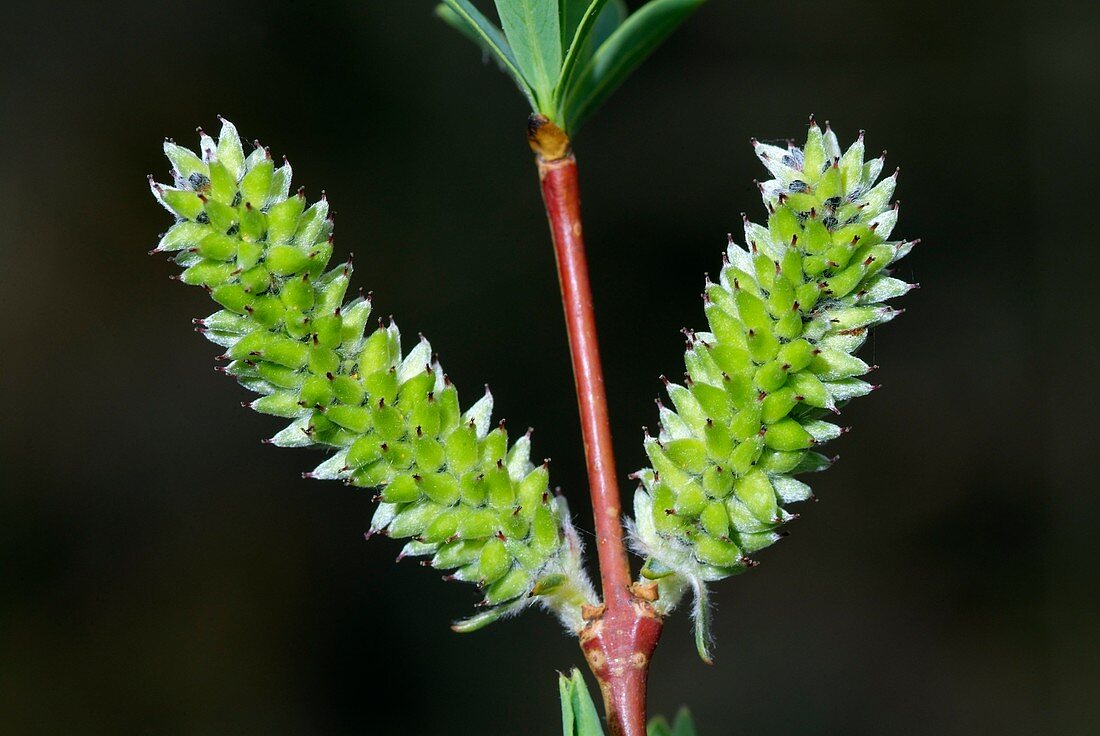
(162, 572)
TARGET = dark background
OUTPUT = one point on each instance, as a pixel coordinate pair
(162, 572)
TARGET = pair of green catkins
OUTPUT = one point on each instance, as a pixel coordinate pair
(789, 310)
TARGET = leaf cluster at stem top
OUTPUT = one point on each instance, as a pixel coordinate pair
(568, 56)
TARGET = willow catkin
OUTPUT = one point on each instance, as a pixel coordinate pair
(467, 499)
(785, 320)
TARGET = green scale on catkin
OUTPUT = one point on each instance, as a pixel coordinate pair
(466, 498)
(784, 322)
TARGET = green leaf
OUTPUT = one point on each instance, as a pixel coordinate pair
(469, 21)
(621, 53)
(683, 726)
(568, 722)
(577, 48)
(613, 16)
(570, 13)
(578, 713)
(534, 32)
(597, 28)
(658, 727)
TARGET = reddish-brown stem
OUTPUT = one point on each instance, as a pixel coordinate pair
(620, 635)
(562, 198)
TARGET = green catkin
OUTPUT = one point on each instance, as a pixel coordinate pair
(450, 482)
(785, 319)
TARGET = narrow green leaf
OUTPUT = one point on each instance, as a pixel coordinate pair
(684, 725)
(534, 33)
(457, 22)
(658, 727)
(570, 13)
(565, 687)
(586, 717)
(578, 713)
(469, 21)
(614, 15)
(621, 53)
(576, 49)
